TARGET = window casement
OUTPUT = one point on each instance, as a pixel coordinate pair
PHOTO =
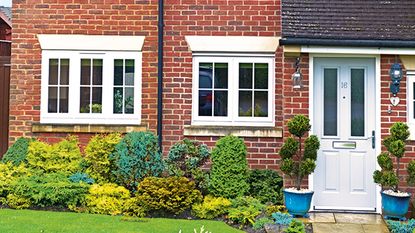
(91, 87)
(234, 91)
(411, 102)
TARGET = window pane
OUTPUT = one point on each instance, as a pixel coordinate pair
(63, 99)
(221, 103)
(53, 100)
(96, 100)
(85, 71)
(53, 71)
(245, 75)
(205, 103)
(129, 100)
(330, 102)
(97, 72)
(245, 103)
(64, 78)
(413, 90)
(85, 100)
(118, 72)
(118, 99)
(261, 104)
(357, 86)
(205, 75)
(129, 72)
(221, 75)
(261, 76)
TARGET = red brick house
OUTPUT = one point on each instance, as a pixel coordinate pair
(227, 67)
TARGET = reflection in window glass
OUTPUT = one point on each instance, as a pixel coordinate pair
(357, 86)
(58, 86)
(330, 102)
(124, 75)
(91, 86)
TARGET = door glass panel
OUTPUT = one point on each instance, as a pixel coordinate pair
(330, 102)
(357, 86)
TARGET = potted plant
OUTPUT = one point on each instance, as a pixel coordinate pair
(298, 160)
(394, 201)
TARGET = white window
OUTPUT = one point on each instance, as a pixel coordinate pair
(237, 91)
(411, 102)
(97, 86)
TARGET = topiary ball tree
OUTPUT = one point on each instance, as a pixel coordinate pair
(229, 173)
(135, 157)
(299, 154)
(388, 177)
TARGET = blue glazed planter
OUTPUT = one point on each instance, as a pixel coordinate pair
(395, 207)
(298, 204)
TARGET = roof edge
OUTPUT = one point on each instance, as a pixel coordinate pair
(348, 42)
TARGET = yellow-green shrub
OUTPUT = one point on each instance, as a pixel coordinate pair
(211, 207)
(172, 194)
(97, 154)
(8, 174)
(106, 199)
(132, 209)
(63, 156)
(17, 202)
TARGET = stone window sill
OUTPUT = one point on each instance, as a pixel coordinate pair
(261, 132)
(85, 128)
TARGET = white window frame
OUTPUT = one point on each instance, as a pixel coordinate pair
(233, 118)
(107, 116)
(410, 79)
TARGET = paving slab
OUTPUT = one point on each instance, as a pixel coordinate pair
(319, 217)
(337, 228)
(358, 218)
(375, 228)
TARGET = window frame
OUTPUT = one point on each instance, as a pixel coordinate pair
(233, 118)
(107, 116)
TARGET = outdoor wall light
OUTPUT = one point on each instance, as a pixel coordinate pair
(396, 76)
(297, 77)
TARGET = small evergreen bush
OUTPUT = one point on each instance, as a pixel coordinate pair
(260, 223)
(64, 156)
(211, 207)
(16, 202)
(186, 158)
(172, 194)
(17, 152)
(8, 174)
(282, 218)
(136, 156)
(401, 227)
(106, 199)
(295, 226)
(81, 177)
(229, 173)
(266, 186)
(244, 210)
(97, 157)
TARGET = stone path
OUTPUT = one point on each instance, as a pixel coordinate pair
(346, 223)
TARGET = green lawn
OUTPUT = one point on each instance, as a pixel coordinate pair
(28, 221)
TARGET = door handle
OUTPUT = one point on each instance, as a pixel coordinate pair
(373, 139)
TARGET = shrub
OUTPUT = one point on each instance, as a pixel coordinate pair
(295, 226)
(186, 158)
(266, 186)
(211, 207)
(229, 173)
(282, 218)
(136, 156)
(17, 202)
(260, 223)
(17, 153)
(63, 156)
(244, 210)
(270, 209)
(106, 199)
(49, 189)
(81, 177)
(97, 157)
(172, 194)
(8, 174)
(401, 227)
(132, 209)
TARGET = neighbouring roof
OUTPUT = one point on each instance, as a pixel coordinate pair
(6, 14)
(349, 19)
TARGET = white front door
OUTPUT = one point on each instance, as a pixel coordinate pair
(344, 120)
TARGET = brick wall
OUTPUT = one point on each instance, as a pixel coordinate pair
(105, 17)
(215, 18)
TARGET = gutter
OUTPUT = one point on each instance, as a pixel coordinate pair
(160, 73)
(348, 42)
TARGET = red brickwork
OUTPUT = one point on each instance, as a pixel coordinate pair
(215, 18)
(105, 17)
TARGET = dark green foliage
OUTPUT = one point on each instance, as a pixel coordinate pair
(244, 210)
(401, 227)
(17, 153)
(49, 189)
(266, 186)
(81, 177)
(295, 226)
(186, 158)
(171, 195)
(299, 156)
(229, 173)
(299, 125)
(411, 172)
(137, 156)
(395, 145)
